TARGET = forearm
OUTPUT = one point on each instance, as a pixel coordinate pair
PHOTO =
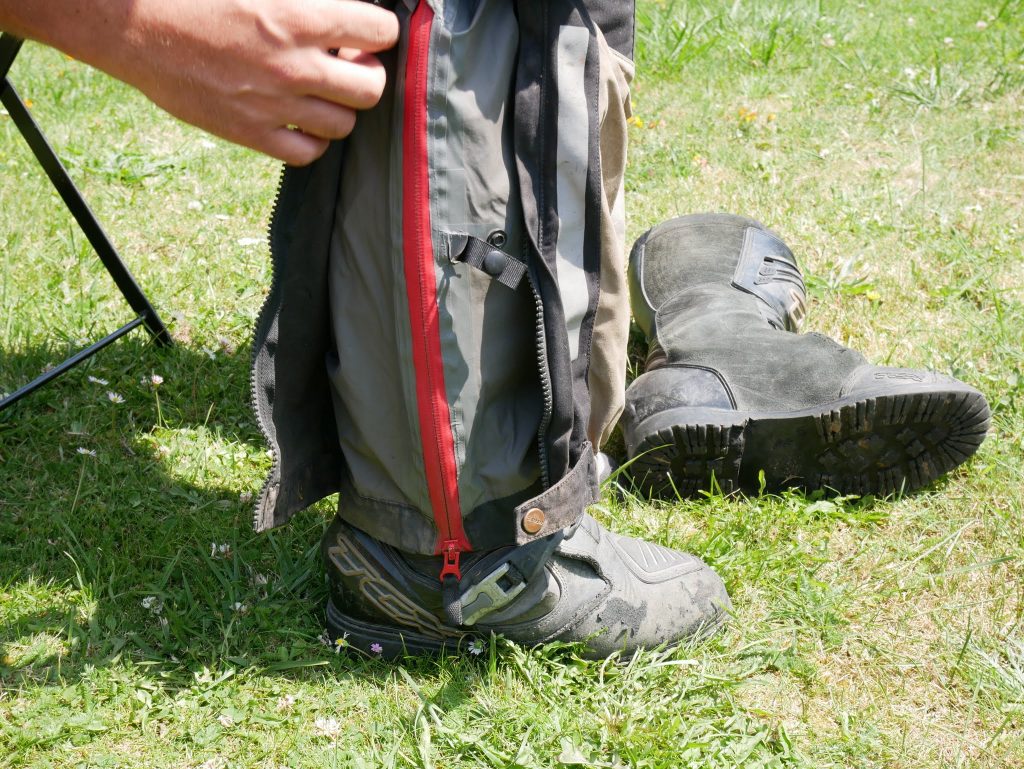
(78, 27)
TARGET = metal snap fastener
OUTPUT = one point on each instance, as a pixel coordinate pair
(534, 520)
(494, 263)
(498, 238)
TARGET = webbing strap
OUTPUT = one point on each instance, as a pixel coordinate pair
(500, 265)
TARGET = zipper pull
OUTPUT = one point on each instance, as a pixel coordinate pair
(451, 553)
(450, 576)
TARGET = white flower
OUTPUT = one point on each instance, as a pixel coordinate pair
(981, 25)
(156, 380)
(947, 40)
(87, 452)
(239, 607)
(97, 380)
(327, 727)
(153, 603)
(476, 647)
(285, 702)
(828, 41)
(114, 397)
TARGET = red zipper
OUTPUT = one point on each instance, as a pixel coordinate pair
(421, 289)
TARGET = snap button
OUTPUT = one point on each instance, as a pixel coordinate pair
(495, 263)
(498, 238)
(534, 520)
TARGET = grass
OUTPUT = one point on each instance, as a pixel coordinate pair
(143, 624)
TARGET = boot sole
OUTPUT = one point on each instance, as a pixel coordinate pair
(394, 643)
(398, 644)
(879, 444)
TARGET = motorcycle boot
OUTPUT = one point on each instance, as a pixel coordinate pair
(614, 593)
(731, 391)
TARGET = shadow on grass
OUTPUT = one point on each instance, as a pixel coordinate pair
(125, 526)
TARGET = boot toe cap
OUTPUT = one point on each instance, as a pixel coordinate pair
(682, 597)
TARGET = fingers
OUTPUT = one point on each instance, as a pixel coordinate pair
(322, 119)
(356, 81)
(293, 147)
(313, 124)
(326, 90)
(353, 24)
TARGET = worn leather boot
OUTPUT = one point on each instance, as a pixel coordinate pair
(586, 584)
(730, 391)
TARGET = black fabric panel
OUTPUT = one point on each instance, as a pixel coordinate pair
(290, 391)
(536, 155)
(535, 139)
(616, 20)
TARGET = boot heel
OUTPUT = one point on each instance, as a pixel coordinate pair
(686, 451)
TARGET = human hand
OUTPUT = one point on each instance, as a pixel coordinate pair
(255, 72)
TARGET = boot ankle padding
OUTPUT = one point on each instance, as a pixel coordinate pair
(672, 387)
(718, 328)
(684, 252)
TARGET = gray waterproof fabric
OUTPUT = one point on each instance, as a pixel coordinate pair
(520, 379)
(487, 330)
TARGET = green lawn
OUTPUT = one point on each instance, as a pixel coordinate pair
(142, 623)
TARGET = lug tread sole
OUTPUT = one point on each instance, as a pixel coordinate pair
(878, 445)
(395, 643)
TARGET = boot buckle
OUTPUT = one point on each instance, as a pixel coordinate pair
(487, 595)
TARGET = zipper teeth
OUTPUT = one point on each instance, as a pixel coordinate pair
(261, 320)
(545, 383)
(416, 57)
(432, 401)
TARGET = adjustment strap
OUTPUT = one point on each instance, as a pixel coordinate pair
(500, 265)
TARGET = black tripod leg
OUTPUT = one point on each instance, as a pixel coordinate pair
(75, 202)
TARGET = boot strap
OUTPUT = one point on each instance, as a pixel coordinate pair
(488, 595)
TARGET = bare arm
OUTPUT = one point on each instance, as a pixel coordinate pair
(247, 70)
